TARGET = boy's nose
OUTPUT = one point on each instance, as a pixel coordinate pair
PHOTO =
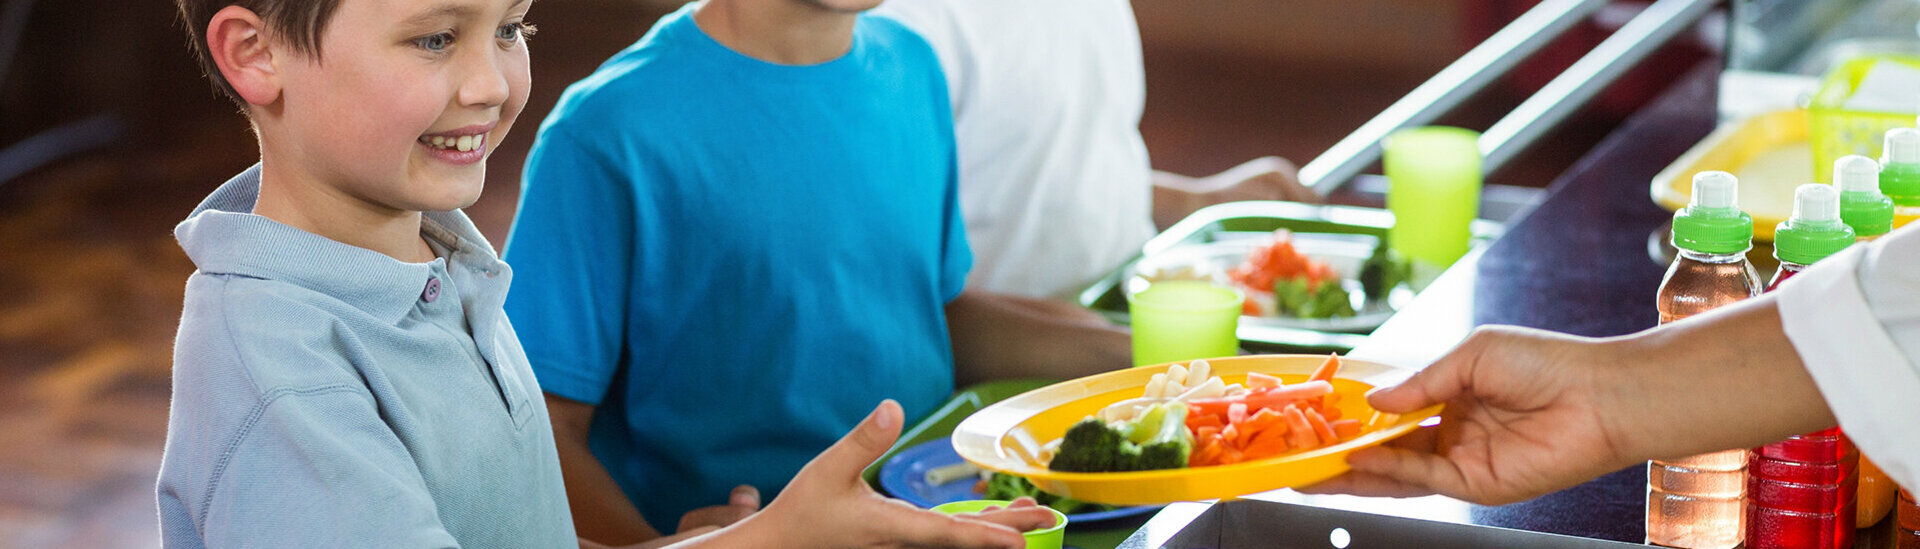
(486, 82)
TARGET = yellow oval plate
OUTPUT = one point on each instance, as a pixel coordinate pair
(1005, 436)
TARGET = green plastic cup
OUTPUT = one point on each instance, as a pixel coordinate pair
(1180, 320)
(1044, 538)
(1433, 190)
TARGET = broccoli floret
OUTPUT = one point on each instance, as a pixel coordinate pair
(1092, 446)
(1169, 448)
(1005, 486)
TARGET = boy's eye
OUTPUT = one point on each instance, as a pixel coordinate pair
(512, 32)
(435, 43)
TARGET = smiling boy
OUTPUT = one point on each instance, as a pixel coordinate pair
(344, 375)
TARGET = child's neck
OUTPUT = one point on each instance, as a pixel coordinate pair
(777, 31)
(303, 203)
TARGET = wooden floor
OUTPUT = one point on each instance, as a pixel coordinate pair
(91, 278)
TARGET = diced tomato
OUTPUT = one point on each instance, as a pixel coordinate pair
(1230, 435)
(1251, 308)
(1236, 412)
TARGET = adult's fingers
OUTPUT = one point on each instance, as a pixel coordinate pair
(1439, 382)
(1427, 471)
(1356, 483)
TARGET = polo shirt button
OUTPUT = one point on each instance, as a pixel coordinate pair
(433, 289)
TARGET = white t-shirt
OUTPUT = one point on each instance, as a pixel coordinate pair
(1854, 317)
(1054, 180)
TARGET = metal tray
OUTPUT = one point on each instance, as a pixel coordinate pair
(1218, 235)
(1246, 524)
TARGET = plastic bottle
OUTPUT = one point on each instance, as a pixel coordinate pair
(1900, 173)
(1870, 214)
(1697, 502)
(1907, 533)
(1800, 491)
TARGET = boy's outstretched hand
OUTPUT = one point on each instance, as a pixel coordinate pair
(1522, 418)
(829, 505)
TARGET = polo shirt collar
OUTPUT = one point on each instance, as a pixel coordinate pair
(223, 236)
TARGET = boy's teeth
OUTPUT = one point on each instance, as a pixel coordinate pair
(463, 143)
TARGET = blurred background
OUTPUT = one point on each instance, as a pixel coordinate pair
(109, 136)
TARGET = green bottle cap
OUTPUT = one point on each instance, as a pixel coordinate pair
(1900, 166)
(1815, 231)
(1862, 207)
(1712, 223)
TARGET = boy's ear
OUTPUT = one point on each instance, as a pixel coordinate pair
(237, 41)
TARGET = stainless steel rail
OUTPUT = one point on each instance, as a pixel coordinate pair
(1447, 89)
(1566, 93)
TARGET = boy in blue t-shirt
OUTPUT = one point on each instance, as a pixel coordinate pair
(735, 237)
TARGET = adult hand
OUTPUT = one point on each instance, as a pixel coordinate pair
(829, 505)
(1527, 412)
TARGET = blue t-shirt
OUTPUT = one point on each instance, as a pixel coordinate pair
(737, 260)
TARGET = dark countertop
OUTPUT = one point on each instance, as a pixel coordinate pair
(1579, 263)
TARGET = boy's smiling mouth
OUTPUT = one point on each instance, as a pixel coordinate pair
(461, 146)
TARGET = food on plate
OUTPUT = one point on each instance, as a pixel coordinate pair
(1384, 270)
(1281, 281)
(1188, 418)
(942, 475)
(1002, 486)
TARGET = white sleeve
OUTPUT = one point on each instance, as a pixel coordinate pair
(1855, 320)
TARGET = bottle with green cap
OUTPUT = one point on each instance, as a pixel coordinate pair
(1700, 501)
(1862, 206)
(1815, 231)
(1791, 505)
(1900, 173)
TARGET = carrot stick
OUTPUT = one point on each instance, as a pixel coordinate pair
(1257, 380)
(1320, 427)
(1346, 428)
(1327, 369)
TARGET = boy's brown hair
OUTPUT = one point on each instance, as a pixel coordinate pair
(297, 22)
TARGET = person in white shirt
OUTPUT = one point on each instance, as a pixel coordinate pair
(1055, 185)
(1529, 412)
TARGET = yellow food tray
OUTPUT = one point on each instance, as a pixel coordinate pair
(1769, 153)
(1007, 435)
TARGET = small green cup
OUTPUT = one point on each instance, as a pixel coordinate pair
(1044, 538)
(1180, 320)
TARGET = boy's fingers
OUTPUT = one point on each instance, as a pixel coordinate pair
(871, 438)
(921, 528)
(745, 496)
(1022, 518)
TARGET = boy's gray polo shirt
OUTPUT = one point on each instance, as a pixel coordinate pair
(326, 395)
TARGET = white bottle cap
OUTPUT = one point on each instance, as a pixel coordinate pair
(1856, 174)
(1816, 202)
(1903, 146)
(1715, 189)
